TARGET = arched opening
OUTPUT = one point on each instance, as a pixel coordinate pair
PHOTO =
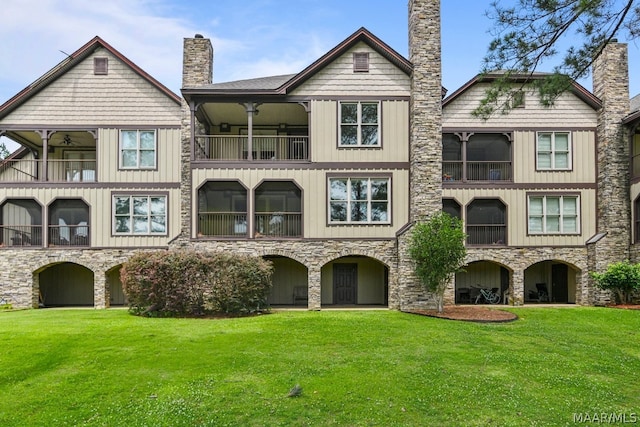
(290, 282)
(278, 209)
(550, 282)
(114, 284)
(355, 280)
(486, 222)
(69, 223)
(478, 275)
(20, 223)
(222, 209)
(66, 285)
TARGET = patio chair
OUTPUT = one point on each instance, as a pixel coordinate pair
(300, 293)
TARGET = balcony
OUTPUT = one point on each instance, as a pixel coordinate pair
(222, 224)
(30, 170)
(476, 171)
(20, 235)
(69, 235)
(486, 235)
(278, 224)
(263, 148)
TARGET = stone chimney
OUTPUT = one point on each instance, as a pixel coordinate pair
(425, 144)
(426, 109)
(611, 85)
(197, 62)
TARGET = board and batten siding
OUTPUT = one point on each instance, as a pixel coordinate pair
(339, 79)
(100, 211)
(567, 109)
(313, 184)
(517, 213)
(583, 159)
(167, 158)
(79, 97)
(394, 133)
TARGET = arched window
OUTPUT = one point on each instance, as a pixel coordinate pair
(222, 209)
(486, 222)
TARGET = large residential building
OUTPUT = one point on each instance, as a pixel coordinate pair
(323, 172)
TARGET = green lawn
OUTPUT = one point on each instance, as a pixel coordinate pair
(356, 368)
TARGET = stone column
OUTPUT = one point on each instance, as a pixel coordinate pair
(611, 85)
(517, 288)
(197, 71)
(100, 291)
(314, 282)
(425, 143)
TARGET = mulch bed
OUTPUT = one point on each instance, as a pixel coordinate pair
(625, 306)
(470, 313)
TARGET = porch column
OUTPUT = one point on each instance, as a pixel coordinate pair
(450, 291)
(100, 291)
(517, 288)
(44, 134)
(314, 283)
(251, 110)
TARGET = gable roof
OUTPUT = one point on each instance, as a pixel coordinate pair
(281, 85)
(577, 89)
(634, 116)
(71, 61)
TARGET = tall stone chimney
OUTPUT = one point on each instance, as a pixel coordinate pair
(611, 85)
(425, 144)
(197, 71)
(426, 109)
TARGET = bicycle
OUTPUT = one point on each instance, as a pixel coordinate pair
(490, 296)
(5, 302)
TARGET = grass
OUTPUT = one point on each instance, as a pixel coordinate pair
(355, 368)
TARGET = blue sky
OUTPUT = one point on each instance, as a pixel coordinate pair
(251, 38)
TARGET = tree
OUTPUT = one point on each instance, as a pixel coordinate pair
(622, 278)
(437, 247)
(4, 153)
(528, 32)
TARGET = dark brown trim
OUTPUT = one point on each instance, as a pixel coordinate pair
(299, 165)
(522, 185)
(518, 129)
(101, 185)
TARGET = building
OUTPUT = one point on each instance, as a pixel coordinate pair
(323, 172)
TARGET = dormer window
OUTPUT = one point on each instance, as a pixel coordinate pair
(361, 62)
(100, 66)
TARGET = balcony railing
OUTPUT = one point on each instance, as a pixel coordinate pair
(486, 234)
(21, 235)
(263, 148)
(69, 235)
(222, 224)
(278, 224)
(58, 170)
(476, 171)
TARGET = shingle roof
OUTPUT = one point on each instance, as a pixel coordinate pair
(261, 83)
(635, 103)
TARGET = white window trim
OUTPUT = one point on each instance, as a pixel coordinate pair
(132, 231)
(545, 215)
(553, 151)
(350, 200)
(138, 150)
(359, 124)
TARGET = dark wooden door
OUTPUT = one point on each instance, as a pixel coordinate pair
(559, 283)
(345, 283)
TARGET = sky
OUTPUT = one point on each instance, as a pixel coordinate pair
(252, 38)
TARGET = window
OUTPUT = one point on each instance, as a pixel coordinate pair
(359, 200)
(138, 149)
(140, 214)
(452, 207)
(486, 222)
(553, 215)
(361, 62)
(553, 151)
(359, 124)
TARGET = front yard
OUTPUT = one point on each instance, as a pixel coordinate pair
(356, 368)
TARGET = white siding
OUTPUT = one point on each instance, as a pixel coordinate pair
(339, 79)
(80, 97)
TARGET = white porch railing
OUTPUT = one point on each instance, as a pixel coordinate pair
(58, 170)
(263, 148)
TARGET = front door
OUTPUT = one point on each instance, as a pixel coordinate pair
(345, 283)
(559, 283)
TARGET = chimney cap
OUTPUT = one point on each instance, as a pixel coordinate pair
(198, 36)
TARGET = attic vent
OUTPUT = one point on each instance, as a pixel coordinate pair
(361, 62)
(100, 66)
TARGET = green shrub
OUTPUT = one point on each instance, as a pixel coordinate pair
(188, 283)
(622, 278)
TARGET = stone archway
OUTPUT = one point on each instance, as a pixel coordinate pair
(66, 284)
